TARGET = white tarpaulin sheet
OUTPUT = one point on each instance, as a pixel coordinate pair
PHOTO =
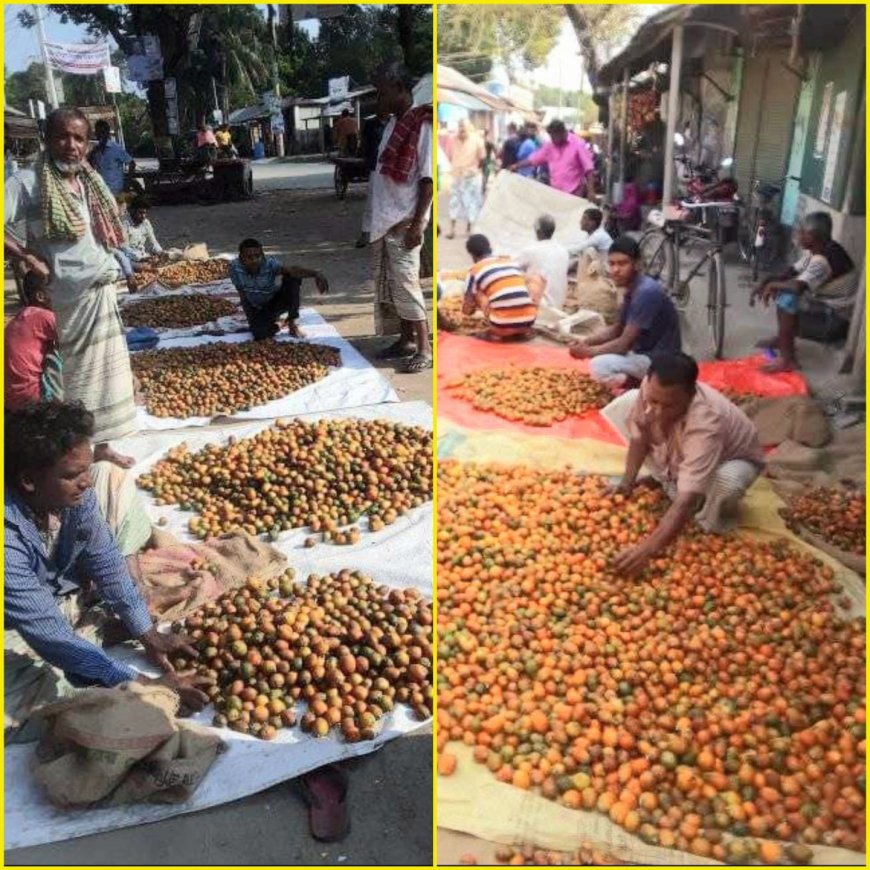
(400, 555)
(513, 203)
(247, 767)
(355, 384)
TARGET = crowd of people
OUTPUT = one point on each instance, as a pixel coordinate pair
(558, 157)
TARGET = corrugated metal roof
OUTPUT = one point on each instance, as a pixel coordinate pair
(451, 80)
(249, 113)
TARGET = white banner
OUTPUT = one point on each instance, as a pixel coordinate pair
(78, 58)
(112, 79)
(339, 87)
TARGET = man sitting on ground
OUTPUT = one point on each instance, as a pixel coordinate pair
(821, 260)
(598, 240)
(141, 242)
(32, 361)
(256, 276)
(56, 540)
(496, 286)
(548, 259)
(702, 448)
(648, 323)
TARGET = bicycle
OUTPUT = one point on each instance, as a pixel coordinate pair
(660, 253)
(757, 236)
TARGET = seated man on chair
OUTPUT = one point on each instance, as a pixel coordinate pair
(821, 260)
(648, 323)
(700, 446)
(256, 277)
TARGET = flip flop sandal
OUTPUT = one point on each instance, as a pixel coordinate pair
(395, 351)
(325, 792)
(417, 363)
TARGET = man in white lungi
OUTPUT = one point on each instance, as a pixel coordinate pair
(72, 225)
(401, 200)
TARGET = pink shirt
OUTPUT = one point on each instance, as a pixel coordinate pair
(29, 337)
(569, 164)
(713, 431)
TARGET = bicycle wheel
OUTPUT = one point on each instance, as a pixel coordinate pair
(716, 302)
(746, 236)
(657, 257)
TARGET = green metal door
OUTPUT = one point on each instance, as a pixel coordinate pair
(798, 143)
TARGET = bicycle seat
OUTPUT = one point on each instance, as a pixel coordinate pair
(769, 190)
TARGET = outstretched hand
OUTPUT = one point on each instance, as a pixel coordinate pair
(159, 647)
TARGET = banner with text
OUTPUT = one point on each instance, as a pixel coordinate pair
(78, 58)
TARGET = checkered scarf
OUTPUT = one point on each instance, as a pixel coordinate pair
(398, 157)
(61, 218)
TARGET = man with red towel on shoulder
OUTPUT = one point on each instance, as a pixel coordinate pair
(401, 200)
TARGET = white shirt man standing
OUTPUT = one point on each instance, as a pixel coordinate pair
(401, 200)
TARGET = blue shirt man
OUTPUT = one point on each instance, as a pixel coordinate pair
(56, 539)
(648, 324)
(109, 159)
(268, 289)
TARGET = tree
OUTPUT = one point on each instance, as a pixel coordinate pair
(235, 49)
(29, 84)
(128, 24)
(600, 29)
(584, 104)
(471, 37)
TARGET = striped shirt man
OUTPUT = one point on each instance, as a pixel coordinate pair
(497, 286)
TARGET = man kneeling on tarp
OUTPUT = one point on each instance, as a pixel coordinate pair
(700, 446)
(58, 543)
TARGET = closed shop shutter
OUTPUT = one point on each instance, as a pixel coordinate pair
(768, 101)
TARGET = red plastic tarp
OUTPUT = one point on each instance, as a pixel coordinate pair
(459, 354)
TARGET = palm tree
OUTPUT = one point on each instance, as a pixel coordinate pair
(239, 52)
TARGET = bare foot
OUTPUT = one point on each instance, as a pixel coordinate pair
(294, 330)
(104, 453)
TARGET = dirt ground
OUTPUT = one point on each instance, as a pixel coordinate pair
(390, 792)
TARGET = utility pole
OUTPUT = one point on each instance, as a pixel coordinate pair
(50, 91)
(279, 145)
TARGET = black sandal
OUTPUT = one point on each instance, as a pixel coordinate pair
(397, 350)
(418, 363)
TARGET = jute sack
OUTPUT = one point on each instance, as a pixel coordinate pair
(593, 290)
(173, 587)
(198, 251)
(120, 745)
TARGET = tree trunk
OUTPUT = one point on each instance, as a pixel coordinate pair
(226, 87)
(587, 45)
(157, 109)
(405, 32)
